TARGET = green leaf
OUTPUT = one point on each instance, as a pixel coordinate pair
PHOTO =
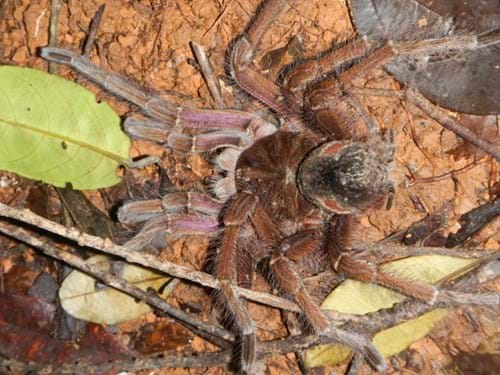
(82, 297)
(53, 130)
(354, 297)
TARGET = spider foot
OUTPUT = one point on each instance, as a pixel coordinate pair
(454, 298)
(359, 343)
(246, 351)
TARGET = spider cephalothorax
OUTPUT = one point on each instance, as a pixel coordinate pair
(283, 194)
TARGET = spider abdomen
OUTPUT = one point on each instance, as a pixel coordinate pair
(344, 177)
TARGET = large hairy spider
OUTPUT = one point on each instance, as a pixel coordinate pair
(291, 194)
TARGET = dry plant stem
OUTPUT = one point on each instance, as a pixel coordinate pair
(397, 251)
(144, 259)
(279, 346)
(450, 123)
(372, 323)
(201, 278)
(208, 73)
(94, 26)
(55, 8)
(166, 361)
(204, 329)
(446, 175)
(473, 221)
(435, 113)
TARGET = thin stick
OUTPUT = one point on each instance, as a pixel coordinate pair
(166, 361)
(473, 221)
(201, 278)
(436, 113)
(279, 346)
(367, 91)
(208, 73)
(450, 123)
(94, 26)
(55, 7)
(115, 282)
(446, 175)
(396, 250)
(144, 259)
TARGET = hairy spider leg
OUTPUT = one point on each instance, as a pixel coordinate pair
(243, 53)
(339, 242)
(331, 111)
(180, 213)
(302, 75)
(178, 224)
(218, 129)
(237, 215)
(234, 128)
(151, 103)
(137, 212)
(287, 254)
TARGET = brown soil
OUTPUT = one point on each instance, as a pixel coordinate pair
(148, 41)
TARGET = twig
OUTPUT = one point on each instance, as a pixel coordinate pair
(446, 175)
(279, 346)
(144, 259)
(367, 91)
(55, 7)
(390, 250)
(450, 123)
(201, 278)
(94, 26)
(115, 282)
(208, 73)
(166, 361)
(473, 221)
(435, 112)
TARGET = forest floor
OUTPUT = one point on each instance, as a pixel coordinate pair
(148, 41)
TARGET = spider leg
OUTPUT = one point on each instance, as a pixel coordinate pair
(223, 129)
(181, 213)
(288, 253)
(339, 242)
(168, 115)
(153, 232)
(227, 272)
(300, 76)
(286, 272)
(243, 53)
(152, 104)
(331, 109)
(133, 213)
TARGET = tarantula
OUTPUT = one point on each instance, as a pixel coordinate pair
(291, 194)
